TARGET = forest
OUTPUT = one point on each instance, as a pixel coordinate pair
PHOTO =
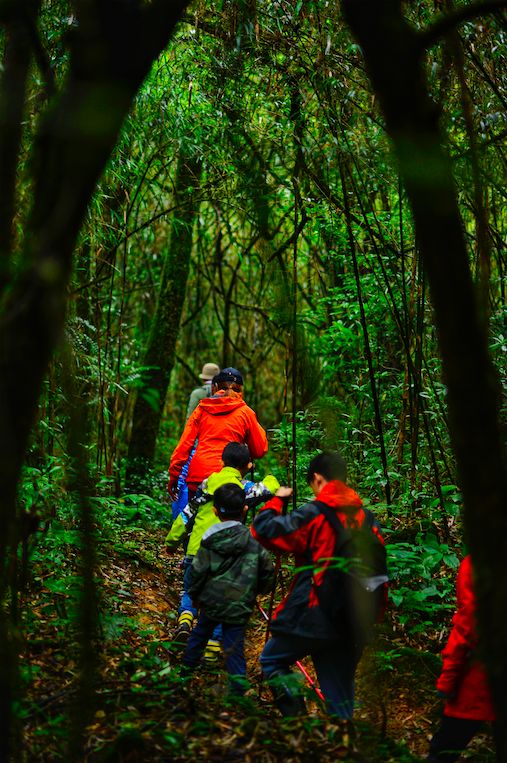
(311, 192)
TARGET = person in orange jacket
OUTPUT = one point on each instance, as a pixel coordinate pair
(222, 418)
(463, 681)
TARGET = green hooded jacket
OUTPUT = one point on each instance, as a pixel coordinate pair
(228, 572)
(199, 514)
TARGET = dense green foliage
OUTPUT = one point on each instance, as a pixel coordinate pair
(263, 121)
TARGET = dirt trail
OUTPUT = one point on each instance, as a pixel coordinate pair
(396, 699)
(144, 713)
(385, 699)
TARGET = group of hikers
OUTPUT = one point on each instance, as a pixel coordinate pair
(231, 526)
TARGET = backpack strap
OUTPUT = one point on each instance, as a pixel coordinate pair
(335, 521)
(342, 532)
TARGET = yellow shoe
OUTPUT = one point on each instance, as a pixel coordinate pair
(183, 627)
(212, 652)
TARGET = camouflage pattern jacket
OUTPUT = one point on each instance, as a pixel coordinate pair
(228, 572)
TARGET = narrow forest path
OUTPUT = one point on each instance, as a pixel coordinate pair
(146, 713)
(386, 716)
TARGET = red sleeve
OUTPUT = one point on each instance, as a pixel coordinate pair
(256, 437)
(184, 447)
(275, 504)
(463, 637)
(282, 533)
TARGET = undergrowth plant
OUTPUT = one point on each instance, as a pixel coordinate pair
(422, 583)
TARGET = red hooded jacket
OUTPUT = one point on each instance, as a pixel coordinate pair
(306, 533)
(216, 421)
(463, 676)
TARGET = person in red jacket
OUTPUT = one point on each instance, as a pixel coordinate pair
(222, 418)
(463, 681)
(300, 625)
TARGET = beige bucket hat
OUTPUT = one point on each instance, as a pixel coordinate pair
(209, 370)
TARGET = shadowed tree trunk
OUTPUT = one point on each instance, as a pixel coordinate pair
(160, 352)
(16, 61)
(394, 55)
(113, 46)
(82, 705)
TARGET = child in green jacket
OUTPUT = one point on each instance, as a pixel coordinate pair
(228, 572)
(199, 515)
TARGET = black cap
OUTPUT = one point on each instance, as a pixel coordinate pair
(229, 501)
(228, 375)
(228, 512)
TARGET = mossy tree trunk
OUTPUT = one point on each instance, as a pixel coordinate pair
(160, 351)
(112, 47)
(394, 55)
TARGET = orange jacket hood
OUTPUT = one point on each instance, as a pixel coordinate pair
(339, 495)
(218, 406)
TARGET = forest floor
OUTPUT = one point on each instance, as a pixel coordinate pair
(145, 712)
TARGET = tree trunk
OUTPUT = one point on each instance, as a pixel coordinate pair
(17, 55)
(393, 54)
(113, 47)
(160, 352)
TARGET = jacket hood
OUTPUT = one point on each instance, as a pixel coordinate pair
(227, 538)
(339, 495)
(225, 475)
(220, 406)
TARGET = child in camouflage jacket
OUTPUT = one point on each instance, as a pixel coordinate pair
(228, 572)
(199, 516)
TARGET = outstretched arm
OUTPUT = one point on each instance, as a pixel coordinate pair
(183, 449)
(178, 530)
(278, 532)
(256, 438)
(260, 492)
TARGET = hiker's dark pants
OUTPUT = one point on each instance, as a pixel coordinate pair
(233, 643)
(453, 737)
(335, 664)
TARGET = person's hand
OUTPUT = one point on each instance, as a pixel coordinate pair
(173, 489)
(284, 492)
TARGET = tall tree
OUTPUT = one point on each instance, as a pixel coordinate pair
(160, 351)
(112, 46)
(394, 54)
